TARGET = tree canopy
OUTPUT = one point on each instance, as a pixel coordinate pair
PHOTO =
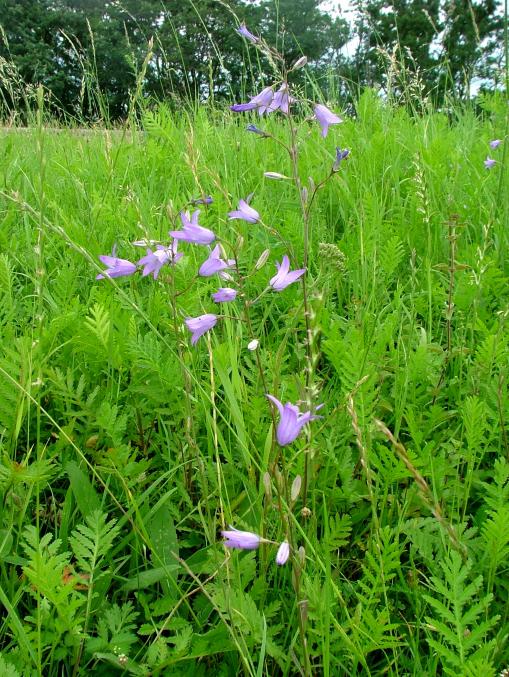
(88, 54)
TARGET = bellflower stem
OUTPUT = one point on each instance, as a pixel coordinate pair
(309, 337)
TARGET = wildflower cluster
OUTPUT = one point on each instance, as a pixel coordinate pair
(277, 97)
(489, 163)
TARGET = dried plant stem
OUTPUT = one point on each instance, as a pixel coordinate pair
(424, 489)
(452, 238)
(293, 150)
(215, 436)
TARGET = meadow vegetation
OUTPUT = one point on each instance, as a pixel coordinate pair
(125, 450)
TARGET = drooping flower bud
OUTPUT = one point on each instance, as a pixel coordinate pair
(300, 63)
(283, 553)
(263, 259)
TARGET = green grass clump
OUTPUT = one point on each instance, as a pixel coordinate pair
(124, 451)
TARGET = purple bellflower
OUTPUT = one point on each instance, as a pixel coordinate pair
(281, 100)
(256, 130)
(284, 276)
(244, 212)
(489, 163)
(214, 264)
(206, 200)
(260, 102)
(243, 30)
(325, 118)
(115, 267)
(192, 232)
(495, 143)
(224, 295)
(283, 553)
(241, 540)
(340, 156)
(155, 260)
(291, 421)
(199, 325)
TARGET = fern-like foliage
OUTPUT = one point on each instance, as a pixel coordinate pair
(255, 625)
(112, 422)
(46, 565)
(495, 528)
(6, 669)
(92, 541)
(13, 364)
(115, 630)
(460, 624)
(391, 256)
(371, 623)
(99, 323)
(474, 421)
(46, 571)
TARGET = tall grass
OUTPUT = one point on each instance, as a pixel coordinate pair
(125, 451)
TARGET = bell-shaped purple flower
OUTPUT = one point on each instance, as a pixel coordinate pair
(291, 421)
(243, 30)
(214, 264)
(325, 118)
(191, 231)
(224, 295)
(256, 130)
(241, 540)
(244, 212)
(283, 553)
(495, 143)
(340, 156)
(489, 163)
(155, 260)
(206, 200)
(281, 100)
(199, 325)
(284, 275)
(115, 267)
(260, 102)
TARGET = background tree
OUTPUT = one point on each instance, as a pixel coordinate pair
(472, 32)
(405, 28)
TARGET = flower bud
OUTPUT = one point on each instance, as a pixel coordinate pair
(283, 553)
(263, 259)
(253, 345)
(296, 486)
(275, 175)
(267, 485)
(300, 63)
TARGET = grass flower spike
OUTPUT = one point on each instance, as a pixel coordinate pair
(192, 231)
(291, 421)
(284, 275)
(200, 325)
(116, 267)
